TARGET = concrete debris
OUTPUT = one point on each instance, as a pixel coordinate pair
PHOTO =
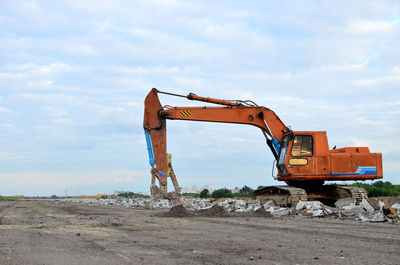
(282, 212)
(312, 209)
(351, 212)
(377, 204)
(343, 202)
(366, 205)
(372, 217)
(371, 210)
(299, 206)
(269, 204)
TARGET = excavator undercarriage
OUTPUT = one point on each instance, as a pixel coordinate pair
(287, 196)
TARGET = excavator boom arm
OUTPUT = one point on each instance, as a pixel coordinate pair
(233, 112)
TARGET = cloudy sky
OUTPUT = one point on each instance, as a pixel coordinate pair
(74, 74)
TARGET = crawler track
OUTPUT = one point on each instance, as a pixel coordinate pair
(328, 194)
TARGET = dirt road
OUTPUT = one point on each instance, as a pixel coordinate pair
(46, 232)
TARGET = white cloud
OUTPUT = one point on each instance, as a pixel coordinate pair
(63, 121)
(4, 109)
(365, 26)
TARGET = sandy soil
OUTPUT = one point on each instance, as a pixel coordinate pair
(46, 232)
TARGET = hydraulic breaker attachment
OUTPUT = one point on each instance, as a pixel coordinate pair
(157, 192)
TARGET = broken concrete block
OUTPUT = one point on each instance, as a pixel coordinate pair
(240, 204)
(251, 204)
(258, 207)
(345, 201)
(149, 204)
(269, 204)
(313, 205)
(299, 206)
(271, 209)
(396, 206)
(377, 204)
(282, 212)
(318, 213)
(330, 210)
(350, 211)
(366, 206)
(240, 210)
(372, 217)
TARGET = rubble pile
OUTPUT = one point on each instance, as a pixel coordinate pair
(368, 210)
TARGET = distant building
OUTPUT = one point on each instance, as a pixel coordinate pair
(195, 189)
(236, 190)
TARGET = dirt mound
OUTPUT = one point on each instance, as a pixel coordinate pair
(215, 211)
(258, 213)
(177, 211)
(261, 213)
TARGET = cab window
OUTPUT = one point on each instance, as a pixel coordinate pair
(302, 145)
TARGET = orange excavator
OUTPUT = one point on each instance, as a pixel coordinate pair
(303, 158)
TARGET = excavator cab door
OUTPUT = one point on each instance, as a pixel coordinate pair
(300, 158)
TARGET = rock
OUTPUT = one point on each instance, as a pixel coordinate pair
(258, 207)
(252, 205)
(160, 204)
(269, 204)
(343, 202)
(318, 213)
(271, 209)
(313, 205)
(299, 206)
(350, 212)
(240, 204)
(282, 212)
(394, 200)
(376, 204)
(396, 206)
(250, 202)
(379, 217)
(365, 204)
(391, 213)
(149, 204)
(330, 210)
(372, 217)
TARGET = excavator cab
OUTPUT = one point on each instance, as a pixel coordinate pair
(305, 156)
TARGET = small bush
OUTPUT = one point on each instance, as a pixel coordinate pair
(222, 193)
(193, 195)
(246, 190)
(205, 193)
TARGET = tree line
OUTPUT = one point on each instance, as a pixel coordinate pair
(379, 188)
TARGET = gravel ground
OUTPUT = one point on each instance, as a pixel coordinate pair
(54, 232)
